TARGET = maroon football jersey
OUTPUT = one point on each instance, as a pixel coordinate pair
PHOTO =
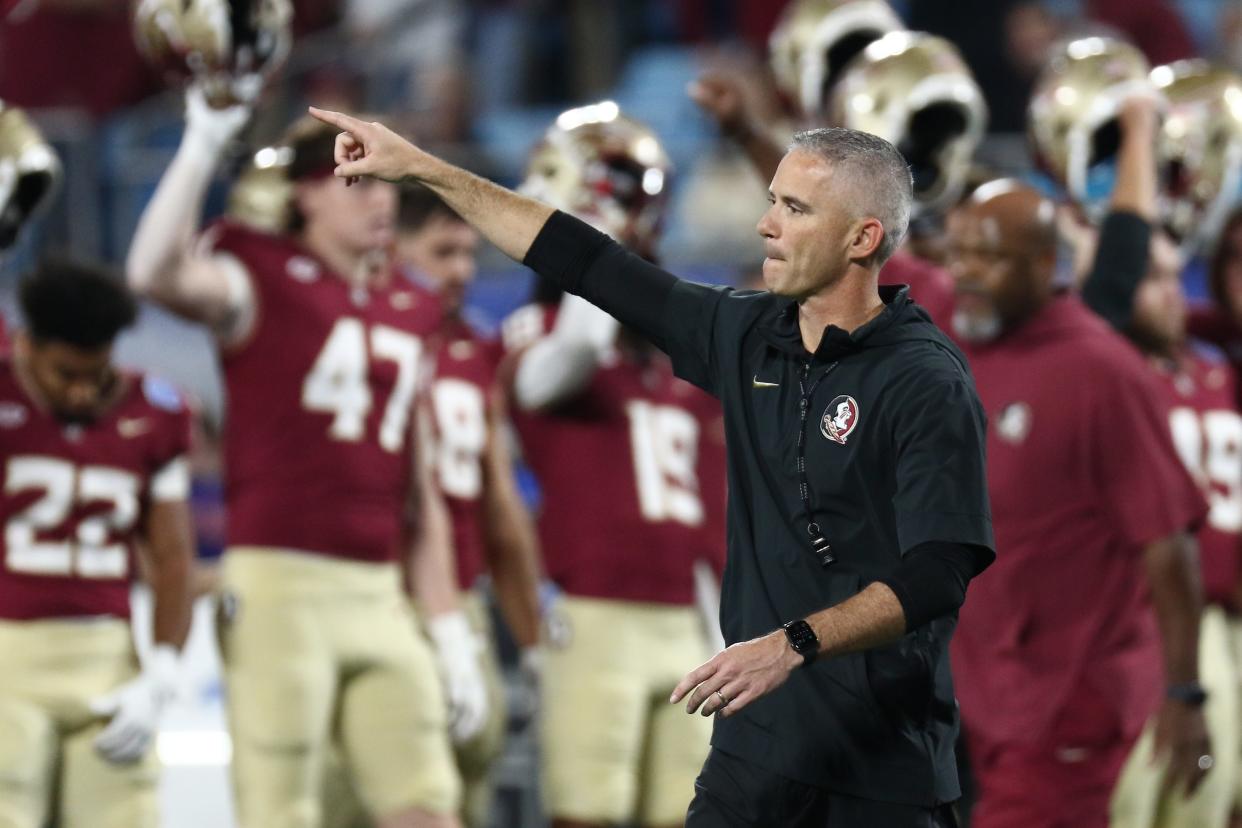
(1082, 473)
(320, 402)
(1211, 324)
(930, 285)
(623, 513)
(462, 392)
(75, 497)
(1207, 431)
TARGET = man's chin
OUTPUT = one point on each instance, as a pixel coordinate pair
(976, 328)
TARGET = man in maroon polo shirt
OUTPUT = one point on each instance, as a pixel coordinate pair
(1058, 657)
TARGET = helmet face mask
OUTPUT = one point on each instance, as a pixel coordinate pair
(915, 91)
(605, 168)
(815, 40)
(1073, 112)
(1200, 148)
(30, 173)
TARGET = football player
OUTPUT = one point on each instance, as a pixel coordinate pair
(1207, 431)
(614, 440)
(323, 345)
(94, 464)
(1137, 284)
(493, 533)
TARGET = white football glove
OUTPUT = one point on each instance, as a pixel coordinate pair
(208, 128)
(457, 650)
(135, 707)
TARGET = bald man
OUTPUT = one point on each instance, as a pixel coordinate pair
(1088, 624)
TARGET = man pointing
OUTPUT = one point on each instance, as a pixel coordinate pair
(849, 555)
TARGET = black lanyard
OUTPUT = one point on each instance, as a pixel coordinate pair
(819, 544)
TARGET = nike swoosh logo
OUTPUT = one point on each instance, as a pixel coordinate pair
(133, 427)
(758, 383)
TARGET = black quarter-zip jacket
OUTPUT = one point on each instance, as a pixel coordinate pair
(894, 458)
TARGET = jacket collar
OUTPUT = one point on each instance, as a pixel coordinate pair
(779, 327)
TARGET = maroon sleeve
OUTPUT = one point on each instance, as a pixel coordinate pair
(1209, 323)
(173, 435)
(1143, 480)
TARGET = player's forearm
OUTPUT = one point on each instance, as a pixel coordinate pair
(560, 365)
(167, 228)
(1123, 252)
(513, 561)
(508, 220)
(1135, 188)
(511, 547)
(872, 618)
(1172, 566)
(432, 566)
(170, 570)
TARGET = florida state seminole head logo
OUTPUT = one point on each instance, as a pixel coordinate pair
(840, 419)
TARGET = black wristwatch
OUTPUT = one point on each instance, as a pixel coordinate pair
(1191, 693)
(803, 640)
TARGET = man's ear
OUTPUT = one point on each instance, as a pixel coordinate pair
(868, 236)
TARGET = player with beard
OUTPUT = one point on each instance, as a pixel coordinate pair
(323, 344)
(1060, 660)
(1135, 284)
(1207, 431)
(95, 473)
(619, 447)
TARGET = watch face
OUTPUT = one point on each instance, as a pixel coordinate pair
(801, 637)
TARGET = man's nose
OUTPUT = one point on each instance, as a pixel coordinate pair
(766, 226)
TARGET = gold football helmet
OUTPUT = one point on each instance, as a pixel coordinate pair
(915, 91)
(607, 169)
(1199, 147)
(217, 40)
(815, 39)
(262, 195)
(1072, 116)
(30, 173)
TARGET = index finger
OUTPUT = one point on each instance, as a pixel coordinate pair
(336, 119)
(692, 680)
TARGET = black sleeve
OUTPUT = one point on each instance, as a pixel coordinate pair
(678, 316)
(1121, 259)
(931, 580)
(940, 436)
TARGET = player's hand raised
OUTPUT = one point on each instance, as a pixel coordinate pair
(211, 126)
(368, 148)
(720, 96)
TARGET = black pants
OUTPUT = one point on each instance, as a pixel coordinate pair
(732, 793)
